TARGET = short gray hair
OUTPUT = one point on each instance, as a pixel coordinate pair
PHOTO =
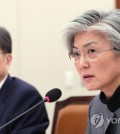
(105, 21)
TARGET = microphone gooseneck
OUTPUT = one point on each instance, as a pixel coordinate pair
(9, 122)
(51, 96)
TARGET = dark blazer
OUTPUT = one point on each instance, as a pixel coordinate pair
(16, 96)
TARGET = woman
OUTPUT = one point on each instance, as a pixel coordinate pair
(93, 42)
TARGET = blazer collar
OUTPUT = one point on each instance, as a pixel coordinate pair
(113, 103)
(6, 86)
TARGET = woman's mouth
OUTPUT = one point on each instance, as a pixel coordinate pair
(87, 77)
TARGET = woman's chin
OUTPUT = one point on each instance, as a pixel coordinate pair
(91, 88)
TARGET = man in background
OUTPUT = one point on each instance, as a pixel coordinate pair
(17, 96)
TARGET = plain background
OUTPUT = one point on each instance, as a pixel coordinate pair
(39, 57)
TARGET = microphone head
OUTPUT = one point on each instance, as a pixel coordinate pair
(53, 95)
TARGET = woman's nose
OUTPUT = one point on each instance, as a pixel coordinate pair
(83, 62)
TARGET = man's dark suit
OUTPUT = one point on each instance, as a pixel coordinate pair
(16, 96)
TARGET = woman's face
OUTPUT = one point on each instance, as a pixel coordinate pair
(98, 65)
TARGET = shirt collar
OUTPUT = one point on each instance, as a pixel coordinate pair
(2, 82)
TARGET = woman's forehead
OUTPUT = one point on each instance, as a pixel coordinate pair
(88, 38)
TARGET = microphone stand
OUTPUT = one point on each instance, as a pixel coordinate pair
(9, 122)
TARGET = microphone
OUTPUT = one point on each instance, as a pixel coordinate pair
(51, 96)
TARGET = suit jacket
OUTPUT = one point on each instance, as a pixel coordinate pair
(17, 96)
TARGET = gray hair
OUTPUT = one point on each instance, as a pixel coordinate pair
(5, 41)
(107, 22)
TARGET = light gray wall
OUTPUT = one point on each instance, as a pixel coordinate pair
(39, 55)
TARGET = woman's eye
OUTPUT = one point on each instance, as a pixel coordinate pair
(92, 51)
(76, 53)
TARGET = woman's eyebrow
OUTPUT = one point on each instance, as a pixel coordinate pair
(89, 43)
(75, 47)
